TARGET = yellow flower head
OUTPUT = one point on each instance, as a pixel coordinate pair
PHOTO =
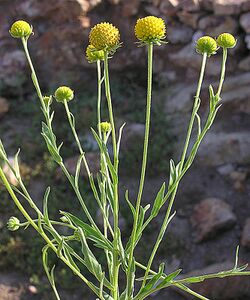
(226, 40)
(64, 93)
(94, 55)
(150, 29)
(13, 224)
(207, 45)
(104, 36)
(105, 126)
(20, 29)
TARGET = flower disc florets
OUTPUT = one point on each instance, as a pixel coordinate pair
(104, 36)
(94, 55)
(226, 40)
(20, 29)
(206, 44)
(64, 93)
(150, 29)
(105, 127)
(13, 224)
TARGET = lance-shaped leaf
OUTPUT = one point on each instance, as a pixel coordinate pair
(91, 262)
(159, 201)
(91, 233)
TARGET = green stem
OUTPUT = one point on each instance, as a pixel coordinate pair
(223, 70)
(143, 169)
(115, 184)
(72, 126)
(99, 96)
(190, 128)
(43, 235)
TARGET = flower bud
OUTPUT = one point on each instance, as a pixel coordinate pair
(13, 224)
(47, 100)
(104, 36)
(207, 45)
(105, 127)
(150, 29)
(64, 93)
(94, 55)
(226, 40)
(20, 29)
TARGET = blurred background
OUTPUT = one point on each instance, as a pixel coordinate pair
(213, 207)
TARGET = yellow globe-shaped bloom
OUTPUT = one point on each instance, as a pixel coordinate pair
(64, 93)
(206, 44)
(150, 29)
(94, 55)
(226, 40)
(20, 29)
(104, 36)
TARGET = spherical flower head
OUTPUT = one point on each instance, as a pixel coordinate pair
(94, 55)
(226, 40)
(150, 29)
(13, 224)
(105, 127)
(206, 44)
(20, 29)
(104, 36)
(64, 93)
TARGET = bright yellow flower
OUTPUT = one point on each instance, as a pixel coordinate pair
(94, 55)
(104, 36)
(207, 45)
(150, 29)
(20, 29)
(226, 40)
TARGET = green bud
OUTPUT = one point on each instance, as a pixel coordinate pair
(226, 40)
(13, 224)
(206, 44)
(47, 100)
(105, 126)
(64, 93)
(94, 55)
(20, 29)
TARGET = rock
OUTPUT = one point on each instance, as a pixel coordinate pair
(70, 163)
(130, 8)
(131, 134)
(222, 148)
(12, 66)
(4, 106)
(215, 25)
(244, 64)
(226, 169)
(189, 5)
(190, 19)
(169, 8)
(211, 216)
(228, 7)
(245, 22)
(180, 34)
(229, 288)
(245, 237)
(8, 173)
(247, 41)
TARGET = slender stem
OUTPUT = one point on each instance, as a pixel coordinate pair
(143, 169)
(43, 235)
(115, 185)
(190, 128)
(223, 70)
(99, 96)
(72, 126)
